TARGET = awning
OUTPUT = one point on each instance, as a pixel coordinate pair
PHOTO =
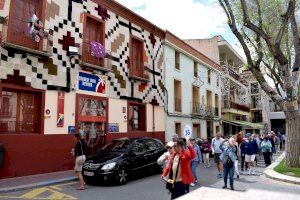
(244, 123)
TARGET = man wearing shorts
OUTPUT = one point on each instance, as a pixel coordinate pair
(216, 151)
(249, 146)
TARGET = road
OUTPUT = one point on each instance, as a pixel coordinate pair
(148, 187)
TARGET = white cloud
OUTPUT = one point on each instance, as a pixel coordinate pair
(187, 19)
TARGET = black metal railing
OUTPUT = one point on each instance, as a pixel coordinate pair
(204, 110)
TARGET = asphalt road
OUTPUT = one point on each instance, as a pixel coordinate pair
(148, 186)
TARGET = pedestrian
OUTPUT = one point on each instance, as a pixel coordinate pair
(236, 162)
(179, 169)
(266, 148)
(270, 138)
(249, 147)
(175, 137)
(79, 152)
(277, 143)
(283, 140)
(216, 151)
(206, 150)
(228, 158)
(257, 140)
(195, 162)
(164, 159)
(279, 135)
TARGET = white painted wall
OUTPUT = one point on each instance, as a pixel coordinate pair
(186, 76)
(50, 126)
(116, 115)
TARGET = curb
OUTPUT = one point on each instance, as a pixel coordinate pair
(270, 173)
(35, 185)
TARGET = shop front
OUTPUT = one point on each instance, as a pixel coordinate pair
(92, 110)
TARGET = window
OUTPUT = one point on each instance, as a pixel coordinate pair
(136, 117)
(178, 128)
(218, 82)
(195, 69)
(93, 31)
(21, 11)
(177, 60)
(177, 96)
(152, 144)
(20, 111)
(254, 88)
(138, 148)
(208, 76)
(136, 64)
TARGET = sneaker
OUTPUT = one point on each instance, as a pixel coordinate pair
(219, 175)
(237, 176)
(253, 172)
(224, 187)
(232, 188)
(192, 184)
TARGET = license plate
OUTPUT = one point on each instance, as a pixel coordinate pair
(88, 173)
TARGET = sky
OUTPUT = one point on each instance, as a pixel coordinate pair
(187, 19)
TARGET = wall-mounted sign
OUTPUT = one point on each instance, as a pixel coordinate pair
(60, 109)
(92, 82)
(113, 127)
(71, 129)
(187, 131)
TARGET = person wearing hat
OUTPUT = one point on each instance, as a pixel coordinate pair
(195, 162)
(250, 148)
(164, 159)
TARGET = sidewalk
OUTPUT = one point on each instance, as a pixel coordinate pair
(27, 182)
(270, 173)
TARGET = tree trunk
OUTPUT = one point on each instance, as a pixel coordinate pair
(292, 143)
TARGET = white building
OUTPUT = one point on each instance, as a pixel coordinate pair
(193, 90)
(235, 89)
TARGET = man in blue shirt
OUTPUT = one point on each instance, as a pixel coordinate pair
(195, 162)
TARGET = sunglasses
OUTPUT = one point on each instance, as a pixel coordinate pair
(169, 147)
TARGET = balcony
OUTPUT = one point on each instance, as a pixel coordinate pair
(204, 110)
(91, 61)
(178, 105)
(15, 35)
(227, 104)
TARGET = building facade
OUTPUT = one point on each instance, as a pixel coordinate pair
(259, 104)
(193, 91)
(234, 88)
(67, 65)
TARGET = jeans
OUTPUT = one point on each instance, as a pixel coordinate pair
(228, 169)
(178, 190)
(194, 165)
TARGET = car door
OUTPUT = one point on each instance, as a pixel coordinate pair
(137, 155)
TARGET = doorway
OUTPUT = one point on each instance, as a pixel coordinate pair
(91, 119)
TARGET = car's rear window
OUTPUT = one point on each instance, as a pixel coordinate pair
(117, 145)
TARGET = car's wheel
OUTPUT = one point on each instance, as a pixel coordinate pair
(122, 177)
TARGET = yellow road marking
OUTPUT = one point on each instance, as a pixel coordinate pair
(57, 187)
(33, 194)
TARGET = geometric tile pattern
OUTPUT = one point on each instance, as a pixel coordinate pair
(60, 71)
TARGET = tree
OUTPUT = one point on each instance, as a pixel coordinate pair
(268, 33)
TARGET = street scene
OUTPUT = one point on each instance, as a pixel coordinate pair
(125, 99)
(150, 187)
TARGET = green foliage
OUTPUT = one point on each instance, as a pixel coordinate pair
(282, 169)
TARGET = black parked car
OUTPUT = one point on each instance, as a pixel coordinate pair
(122, 157)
